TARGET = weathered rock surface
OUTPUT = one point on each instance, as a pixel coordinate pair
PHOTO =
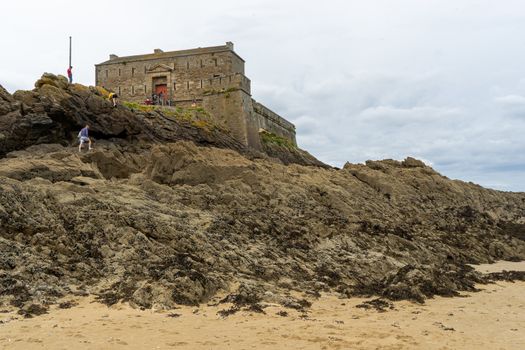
(163, 212)
(55, 110)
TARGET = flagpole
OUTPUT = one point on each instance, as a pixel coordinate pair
(70, 52)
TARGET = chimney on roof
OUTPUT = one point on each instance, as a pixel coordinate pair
(230, 45)
(113, 57)
(158, 51)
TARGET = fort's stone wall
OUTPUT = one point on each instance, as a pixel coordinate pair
(231, 109)
(245, 117)
(212, 77)
(266, 119)
(186, 73)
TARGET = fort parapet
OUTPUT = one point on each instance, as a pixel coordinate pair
(212, 77)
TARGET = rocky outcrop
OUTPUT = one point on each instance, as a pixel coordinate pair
(69, 107)
(158, 217)
(291, 155)
(7, 102)
(55, 110)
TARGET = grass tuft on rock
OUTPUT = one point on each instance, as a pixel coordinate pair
(196, 116)
(271, 138)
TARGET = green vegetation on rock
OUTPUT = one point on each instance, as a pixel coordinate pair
(196, 116)
(139, 107)
(271, 138)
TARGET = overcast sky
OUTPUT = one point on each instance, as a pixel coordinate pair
(439, 80)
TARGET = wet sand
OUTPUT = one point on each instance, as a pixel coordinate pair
(491, 319)
(500, 266)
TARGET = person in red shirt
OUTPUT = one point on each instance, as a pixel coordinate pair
(70, 74)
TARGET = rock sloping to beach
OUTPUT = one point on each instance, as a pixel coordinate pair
(169, 209)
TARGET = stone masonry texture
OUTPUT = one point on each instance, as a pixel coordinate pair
(210, 77)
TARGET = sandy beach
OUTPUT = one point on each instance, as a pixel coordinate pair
(493, 318)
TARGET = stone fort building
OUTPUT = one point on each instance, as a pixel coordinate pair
(211, 77)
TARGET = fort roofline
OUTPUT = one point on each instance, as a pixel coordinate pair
(179, 53)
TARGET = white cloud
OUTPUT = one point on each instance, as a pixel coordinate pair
(405, 116)
(511, 100)
(440, 80)
(513, 106)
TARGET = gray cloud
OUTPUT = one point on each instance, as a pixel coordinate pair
(439, 80)
(512, 106)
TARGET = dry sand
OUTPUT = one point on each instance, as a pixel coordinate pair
(491, 319)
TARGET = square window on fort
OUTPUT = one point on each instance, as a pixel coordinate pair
(188, 65)
(202, 64)
(215, 62)
(145, 90)
(132, 71)
(107, 73)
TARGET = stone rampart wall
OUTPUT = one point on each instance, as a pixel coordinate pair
(266, 119)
